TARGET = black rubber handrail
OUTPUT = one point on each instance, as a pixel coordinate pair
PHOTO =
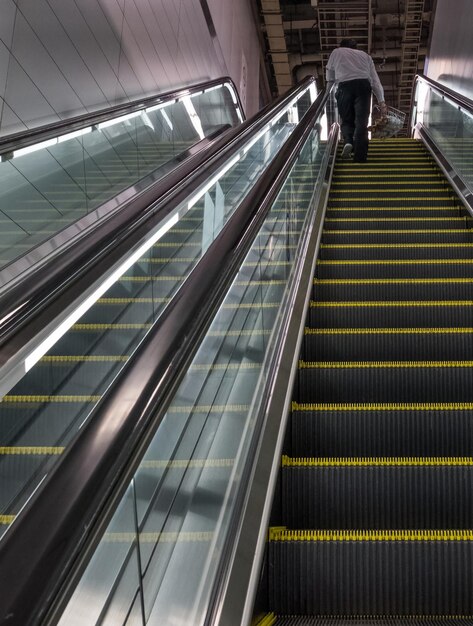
(41, 550)
(42, 133)
(457, 98)
(49, 290)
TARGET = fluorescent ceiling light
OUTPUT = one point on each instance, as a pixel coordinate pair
(118, 120)
(195, 119)
(35, 147)
(167, 120)
(212, 88)
(248, 147)
(73, 135)
(162, 105)
(212, 182)
(232, 92)
(84, 306)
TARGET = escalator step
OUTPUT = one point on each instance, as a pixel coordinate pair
(371, 573)
(377, 493)
(378, 251)
(385, 381)
(378, 289)
(393, 344)
(390, 236)
(364, 620)
(363, 223)
(395, 314)
(402, 268)
(420, 213)
(379, 430)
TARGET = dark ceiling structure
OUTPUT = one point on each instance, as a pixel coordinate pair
(298, 36)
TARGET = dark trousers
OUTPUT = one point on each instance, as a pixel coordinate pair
(353, 100)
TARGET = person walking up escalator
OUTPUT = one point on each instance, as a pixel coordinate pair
(354, 72)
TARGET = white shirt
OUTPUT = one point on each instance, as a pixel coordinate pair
(350, 64)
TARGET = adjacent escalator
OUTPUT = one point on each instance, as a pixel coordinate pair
(54, 176)
(40, 416)
(373, 516)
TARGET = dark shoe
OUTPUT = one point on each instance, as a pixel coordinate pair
(346, 152)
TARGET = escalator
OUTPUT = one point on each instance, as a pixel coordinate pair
(54, 176)
(45, 416)
(158, 512)
(374, 521)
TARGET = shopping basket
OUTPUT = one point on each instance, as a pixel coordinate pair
(386, 125)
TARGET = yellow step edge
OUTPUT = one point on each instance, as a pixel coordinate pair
(164, 537)
(30, 450)
(396, 208)
(400, 175)
(411, 231)
(384, 406)
(84, 359)
(335, 365)
(209, 408)
(267, 620)
(279, 534)
(394, 219)
(187, 464)
(101, 327)
(386, 182)
(7, 519)
(226, 306)
(396, 262)
(392, 281)
(198, 367)
(288, 461)
(37, 399)
(392, 303)
(347, 246)
(404, 199)
(388, 331)
(447, 191)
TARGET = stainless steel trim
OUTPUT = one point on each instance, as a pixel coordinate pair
(456, 181)
(43, 133)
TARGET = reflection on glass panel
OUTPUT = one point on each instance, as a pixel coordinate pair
(45, 190)
(452, 130)
(108, 593)
(44, 411)
(188, 481)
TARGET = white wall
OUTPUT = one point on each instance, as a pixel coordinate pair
(236, 30)
(60, 58)
(450, 58)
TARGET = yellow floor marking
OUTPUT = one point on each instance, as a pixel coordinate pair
(7, 519)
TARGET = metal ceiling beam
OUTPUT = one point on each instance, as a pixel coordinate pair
(271, 11)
